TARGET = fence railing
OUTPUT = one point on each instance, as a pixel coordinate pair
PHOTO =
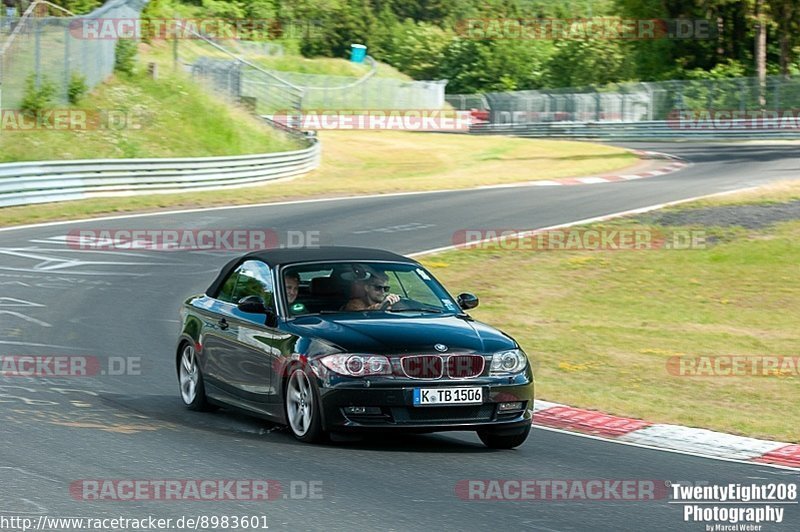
(46, 45)
(46, 181)
(643, 130)
(635, 102)
(237, 68)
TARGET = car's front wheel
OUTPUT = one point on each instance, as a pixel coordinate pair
(302, 407)
(190, 378)
(502, 440)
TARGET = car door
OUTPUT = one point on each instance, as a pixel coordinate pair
(250, 347)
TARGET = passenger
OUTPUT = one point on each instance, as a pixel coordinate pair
(291, 281)
(371, 291)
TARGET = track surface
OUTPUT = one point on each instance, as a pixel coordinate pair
(57, 301)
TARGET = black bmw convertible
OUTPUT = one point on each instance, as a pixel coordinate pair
(339, 339)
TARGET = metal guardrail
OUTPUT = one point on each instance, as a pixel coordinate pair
(648, 130)
(46, 181)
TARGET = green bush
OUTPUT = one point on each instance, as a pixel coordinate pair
(125, 56)
(77, 88)
(35, 100)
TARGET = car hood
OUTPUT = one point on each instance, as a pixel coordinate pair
(401, 333)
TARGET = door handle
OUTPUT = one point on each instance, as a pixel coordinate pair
(223, 323)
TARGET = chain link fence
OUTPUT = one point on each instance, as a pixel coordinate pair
(228, 71)
(467, 102)
(234, 67)
(635, 102)
(46, 46)
(342, 92)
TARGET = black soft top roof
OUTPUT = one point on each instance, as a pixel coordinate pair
(281, 257)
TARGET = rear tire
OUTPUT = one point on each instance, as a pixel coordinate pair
(190, 379)
(302, 406)
(494, 440)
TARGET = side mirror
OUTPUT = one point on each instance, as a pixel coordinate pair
(255, 305)
(252, 305)
(467, 301)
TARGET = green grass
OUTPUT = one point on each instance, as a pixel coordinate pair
(369, 162)
(326, 66)
(601, 325)
(169, 117)
(162, 51)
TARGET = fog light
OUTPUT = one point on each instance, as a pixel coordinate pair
(355, 409)
(505, 407)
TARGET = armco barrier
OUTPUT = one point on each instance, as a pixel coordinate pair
(649, 130)
(47, 181)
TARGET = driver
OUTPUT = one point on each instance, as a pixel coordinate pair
(371, 292)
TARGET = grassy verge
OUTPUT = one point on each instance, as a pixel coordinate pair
(369, 162)
(168, 117)
(328, 66)
(602, 325)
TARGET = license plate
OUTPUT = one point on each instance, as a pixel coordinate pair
(447, 396)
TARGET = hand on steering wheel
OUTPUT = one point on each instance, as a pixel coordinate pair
(390, 300)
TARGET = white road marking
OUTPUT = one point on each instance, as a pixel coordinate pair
(396, 228)
(585, 221)
(33, 344)
(47, 262)
(26, 318)
(664, 449)
(14, 302)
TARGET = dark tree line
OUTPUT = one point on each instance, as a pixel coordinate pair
(426, 38)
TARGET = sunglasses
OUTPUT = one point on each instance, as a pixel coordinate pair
(384, 287)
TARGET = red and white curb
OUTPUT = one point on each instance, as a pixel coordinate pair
(674, 437)
(674, 164)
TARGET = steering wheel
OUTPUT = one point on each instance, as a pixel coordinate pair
(402, 304)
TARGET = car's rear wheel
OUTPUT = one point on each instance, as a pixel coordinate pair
(502, 440)
(190, 378)
(302, 407)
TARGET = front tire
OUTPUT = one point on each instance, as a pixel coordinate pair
(303, 407)
(190, 379)
(494, 440)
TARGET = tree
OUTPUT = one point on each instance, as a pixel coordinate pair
(787, 18)
(417, 49)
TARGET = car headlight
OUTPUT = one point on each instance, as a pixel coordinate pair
(511, 361)
(357, 365)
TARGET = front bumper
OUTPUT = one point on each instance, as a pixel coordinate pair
(390, 406)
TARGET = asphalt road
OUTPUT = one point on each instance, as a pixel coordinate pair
(57, 431)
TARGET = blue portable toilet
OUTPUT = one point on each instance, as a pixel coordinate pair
(357, 53)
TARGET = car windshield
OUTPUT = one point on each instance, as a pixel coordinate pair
(322, 288)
